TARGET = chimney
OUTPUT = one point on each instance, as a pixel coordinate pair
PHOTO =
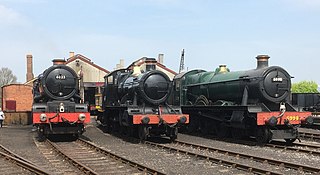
(58, 61)
(29, 75)
(121, 63)
(117, 66)
(160, 58)
(71, 54)
(262, 61)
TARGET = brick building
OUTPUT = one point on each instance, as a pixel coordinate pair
(17, 103)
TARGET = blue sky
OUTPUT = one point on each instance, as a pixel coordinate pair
(212, 32)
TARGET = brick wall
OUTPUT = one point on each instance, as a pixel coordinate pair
(18, 118)
(20, 93)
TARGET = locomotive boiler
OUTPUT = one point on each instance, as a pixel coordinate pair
(56, 106)
(135, 103)
(241, 103)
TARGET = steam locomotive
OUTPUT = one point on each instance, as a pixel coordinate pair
(251, 103)
(56, 105)
(135, 103)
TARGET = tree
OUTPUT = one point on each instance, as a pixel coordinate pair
(6, 77)
(305, 87)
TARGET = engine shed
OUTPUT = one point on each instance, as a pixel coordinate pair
(91, 78)
(146, 63)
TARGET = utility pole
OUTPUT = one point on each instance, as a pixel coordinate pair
(181, 69)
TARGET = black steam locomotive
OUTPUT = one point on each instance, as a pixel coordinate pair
(56, 107)
(136, 103)
(244, 103)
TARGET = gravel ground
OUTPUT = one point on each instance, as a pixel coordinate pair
(7, 167)
(164, 161)
(245, 161)
(20, 139)
(277, 154)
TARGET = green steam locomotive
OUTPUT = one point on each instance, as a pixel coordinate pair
(250, 103)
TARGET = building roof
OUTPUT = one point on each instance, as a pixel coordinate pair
(87, 60)
(30, 81)
(143, 60)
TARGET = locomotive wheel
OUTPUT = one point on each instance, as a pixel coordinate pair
(173, 134)
(115, 127)
(237, 133)
(223, 131)
(263, 135)
(122, 130)
(191, 128)
(202, 101)
(126, 130)
(193, 124)
(143, 133)
(189, 103)
(109, 128)
(77, 135)
(41, 137)
(204, 126)
(132, 131)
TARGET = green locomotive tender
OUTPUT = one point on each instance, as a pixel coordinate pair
(251, 103)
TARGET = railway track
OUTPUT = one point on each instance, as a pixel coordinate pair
(142, 168)
(313, 149)
(58, 163)
(11, 161)
(296, 147)
(237, 155)
(310, 136)
(91, 159)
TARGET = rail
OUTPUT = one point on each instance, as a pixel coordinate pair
(122, 159)
(18, 160)
(233, 164)
(295, 166)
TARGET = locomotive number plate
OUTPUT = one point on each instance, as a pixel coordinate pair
(293, 118)
(277, 79)
(60, 77)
